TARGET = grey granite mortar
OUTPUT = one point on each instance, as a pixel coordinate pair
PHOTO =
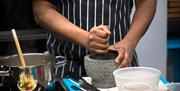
(100, 68)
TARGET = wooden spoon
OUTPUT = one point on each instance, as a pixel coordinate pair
(18, 48)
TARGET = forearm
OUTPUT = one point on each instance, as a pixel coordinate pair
(47, 17)
(145, 10)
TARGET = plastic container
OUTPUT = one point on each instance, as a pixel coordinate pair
(173, 86)
(136, 86)
(134, 75)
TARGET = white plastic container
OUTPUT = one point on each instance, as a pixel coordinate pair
(173, 86)
(145, 75)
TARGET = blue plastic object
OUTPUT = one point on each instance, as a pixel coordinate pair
(164, 81)
(71, 85)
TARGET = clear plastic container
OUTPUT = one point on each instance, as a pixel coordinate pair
(147, 77)
(173, 87)
(136, 86)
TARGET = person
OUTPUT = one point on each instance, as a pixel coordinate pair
(79, 27)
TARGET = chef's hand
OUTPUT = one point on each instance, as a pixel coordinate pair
(125, 53)
(98, 41)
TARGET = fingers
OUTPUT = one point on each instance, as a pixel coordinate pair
(125, 63)
(105, 29)
(124, 58)
(119, 59)
(97, 51)
(101, 31)
(97, 46)
(127, 59)
(111, 48)
(97, 39)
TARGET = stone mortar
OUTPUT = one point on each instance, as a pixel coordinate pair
(100, 67)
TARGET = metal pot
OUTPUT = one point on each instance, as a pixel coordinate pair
(42, 67)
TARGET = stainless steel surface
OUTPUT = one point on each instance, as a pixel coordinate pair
(4, 72)
(41, 66)
(31, 59)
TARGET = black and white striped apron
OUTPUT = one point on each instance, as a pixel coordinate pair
(86, 14)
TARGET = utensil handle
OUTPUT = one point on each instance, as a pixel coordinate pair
(18, 48)
(61, 60)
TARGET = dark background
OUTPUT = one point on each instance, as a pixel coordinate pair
(18, 14)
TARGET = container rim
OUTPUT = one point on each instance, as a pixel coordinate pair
(128, 68)
(55, 58)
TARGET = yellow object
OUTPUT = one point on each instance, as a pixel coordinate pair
(26, 82)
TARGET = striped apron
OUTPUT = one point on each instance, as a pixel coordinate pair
(86, 14)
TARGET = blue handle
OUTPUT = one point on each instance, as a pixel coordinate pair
(70, 84)
(164, 80)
